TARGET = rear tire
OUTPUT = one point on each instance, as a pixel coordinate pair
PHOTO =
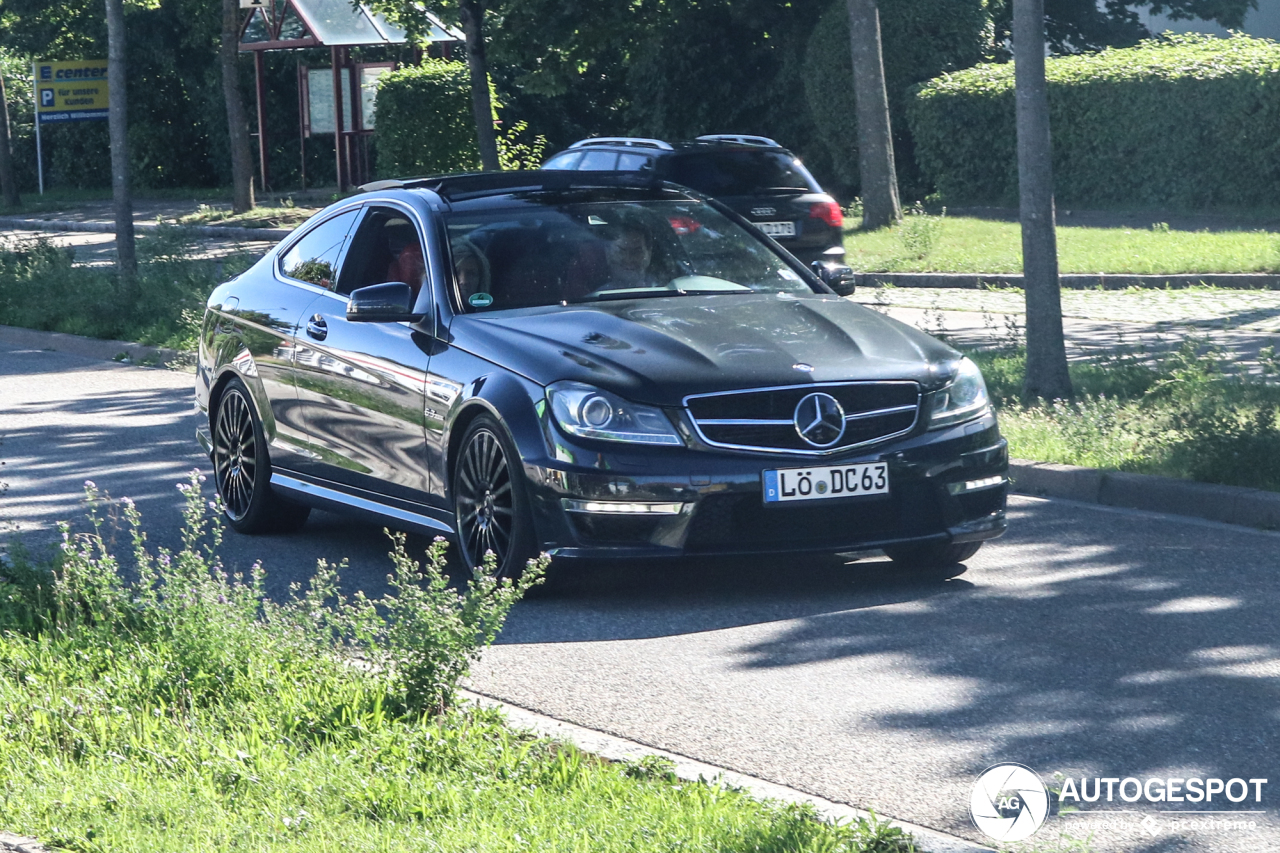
(242, 469)
(490, 500)
(933, 555)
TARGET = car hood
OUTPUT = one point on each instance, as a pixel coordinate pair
(660, 350)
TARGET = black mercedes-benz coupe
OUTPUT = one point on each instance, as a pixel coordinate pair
(592, 365)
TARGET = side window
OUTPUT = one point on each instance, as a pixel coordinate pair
(314, 258)
(598, 161)
(567, 160)
(386, 247)
(632, 162)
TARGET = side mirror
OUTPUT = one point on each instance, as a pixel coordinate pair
(382, 303)
(838, 277)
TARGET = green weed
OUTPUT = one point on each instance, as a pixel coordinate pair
(1188, 413)
(151, 701)
(42, 288)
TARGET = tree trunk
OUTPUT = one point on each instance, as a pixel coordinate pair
(880, 204)
(237, 122)
(8, 184)
(1047, 375)
(126, 256)
(472, 12)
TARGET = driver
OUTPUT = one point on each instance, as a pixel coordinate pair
(630, 254)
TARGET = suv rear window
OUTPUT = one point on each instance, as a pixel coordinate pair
(728, 173)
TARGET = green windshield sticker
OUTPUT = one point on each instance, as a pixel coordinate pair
(480, 300)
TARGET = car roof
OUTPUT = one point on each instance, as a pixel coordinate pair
(494, 185)
(659, 148)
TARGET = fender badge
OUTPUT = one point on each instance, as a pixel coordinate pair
(803, 368)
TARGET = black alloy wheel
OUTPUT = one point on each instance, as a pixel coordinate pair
(934, 555)
(489, 500)
(242, 470)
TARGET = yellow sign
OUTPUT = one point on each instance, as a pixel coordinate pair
(71, 91)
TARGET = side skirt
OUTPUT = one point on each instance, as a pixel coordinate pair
(324, 497)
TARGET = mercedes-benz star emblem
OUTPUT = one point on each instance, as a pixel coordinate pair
(819, 419)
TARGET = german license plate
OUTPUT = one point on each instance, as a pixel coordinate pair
(778, 229)
(821, 482)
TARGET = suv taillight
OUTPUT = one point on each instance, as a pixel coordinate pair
(829, 212)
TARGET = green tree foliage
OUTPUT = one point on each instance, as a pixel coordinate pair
(921, 39)
(424, 120)
(1184, 120)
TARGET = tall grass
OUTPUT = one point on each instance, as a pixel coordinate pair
(152, 702)
(1189, 413)
(41, 287)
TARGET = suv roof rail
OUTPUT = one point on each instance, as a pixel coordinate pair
(635, 141)
(741, 138)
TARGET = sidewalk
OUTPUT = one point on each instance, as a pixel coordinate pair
(88, 229)
(1239, 322)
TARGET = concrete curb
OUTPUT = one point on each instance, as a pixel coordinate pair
(614, 748)
(226, 233)
(1227, 504)
(10, 843)
(1074, 281)
(136, 354)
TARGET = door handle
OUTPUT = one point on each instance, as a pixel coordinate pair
(317, 328)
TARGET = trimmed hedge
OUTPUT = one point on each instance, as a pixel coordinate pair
(921, 39)
(1181, 121)
(425, 123)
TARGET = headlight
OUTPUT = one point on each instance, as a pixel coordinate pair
(964, 399)
(591, 413)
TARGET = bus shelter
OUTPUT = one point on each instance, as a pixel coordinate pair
(338, 99)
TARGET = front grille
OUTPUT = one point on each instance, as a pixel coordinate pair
(743, 521)
(764, 418)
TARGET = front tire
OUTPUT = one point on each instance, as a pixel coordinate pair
(242, 469)
(934, 555)
(490, 500)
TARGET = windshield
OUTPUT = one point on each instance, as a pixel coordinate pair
(590, 251)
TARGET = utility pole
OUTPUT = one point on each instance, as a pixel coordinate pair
(880, 205)
(8, 185)
(126, 254)
(1047, 375)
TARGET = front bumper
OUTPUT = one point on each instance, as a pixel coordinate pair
(945, 486)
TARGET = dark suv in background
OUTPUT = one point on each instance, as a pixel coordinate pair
(755, 176)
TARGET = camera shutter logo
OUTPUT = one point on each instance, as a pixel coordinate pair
(1009, 802)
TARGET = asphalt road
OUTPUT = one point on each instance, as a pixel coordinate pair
(1089, 641)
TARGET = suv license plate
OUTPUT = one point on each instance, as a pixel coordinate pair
(778, 229)
(837, 481)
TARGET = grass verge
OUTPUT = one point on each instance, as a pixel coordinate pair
(927, 243)
(1190, 413)
(184, 710)
(41, 288)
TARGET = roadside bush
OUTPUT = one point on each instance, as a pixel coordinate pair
(921, 39)
(425, 121)
(1181, 120)
(154, 702)
(220, 638)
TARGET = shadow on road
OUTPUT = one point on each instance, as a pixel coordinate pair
(1157, 656)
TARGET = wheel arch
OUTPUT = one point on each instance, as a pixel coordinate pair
(508, 401)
